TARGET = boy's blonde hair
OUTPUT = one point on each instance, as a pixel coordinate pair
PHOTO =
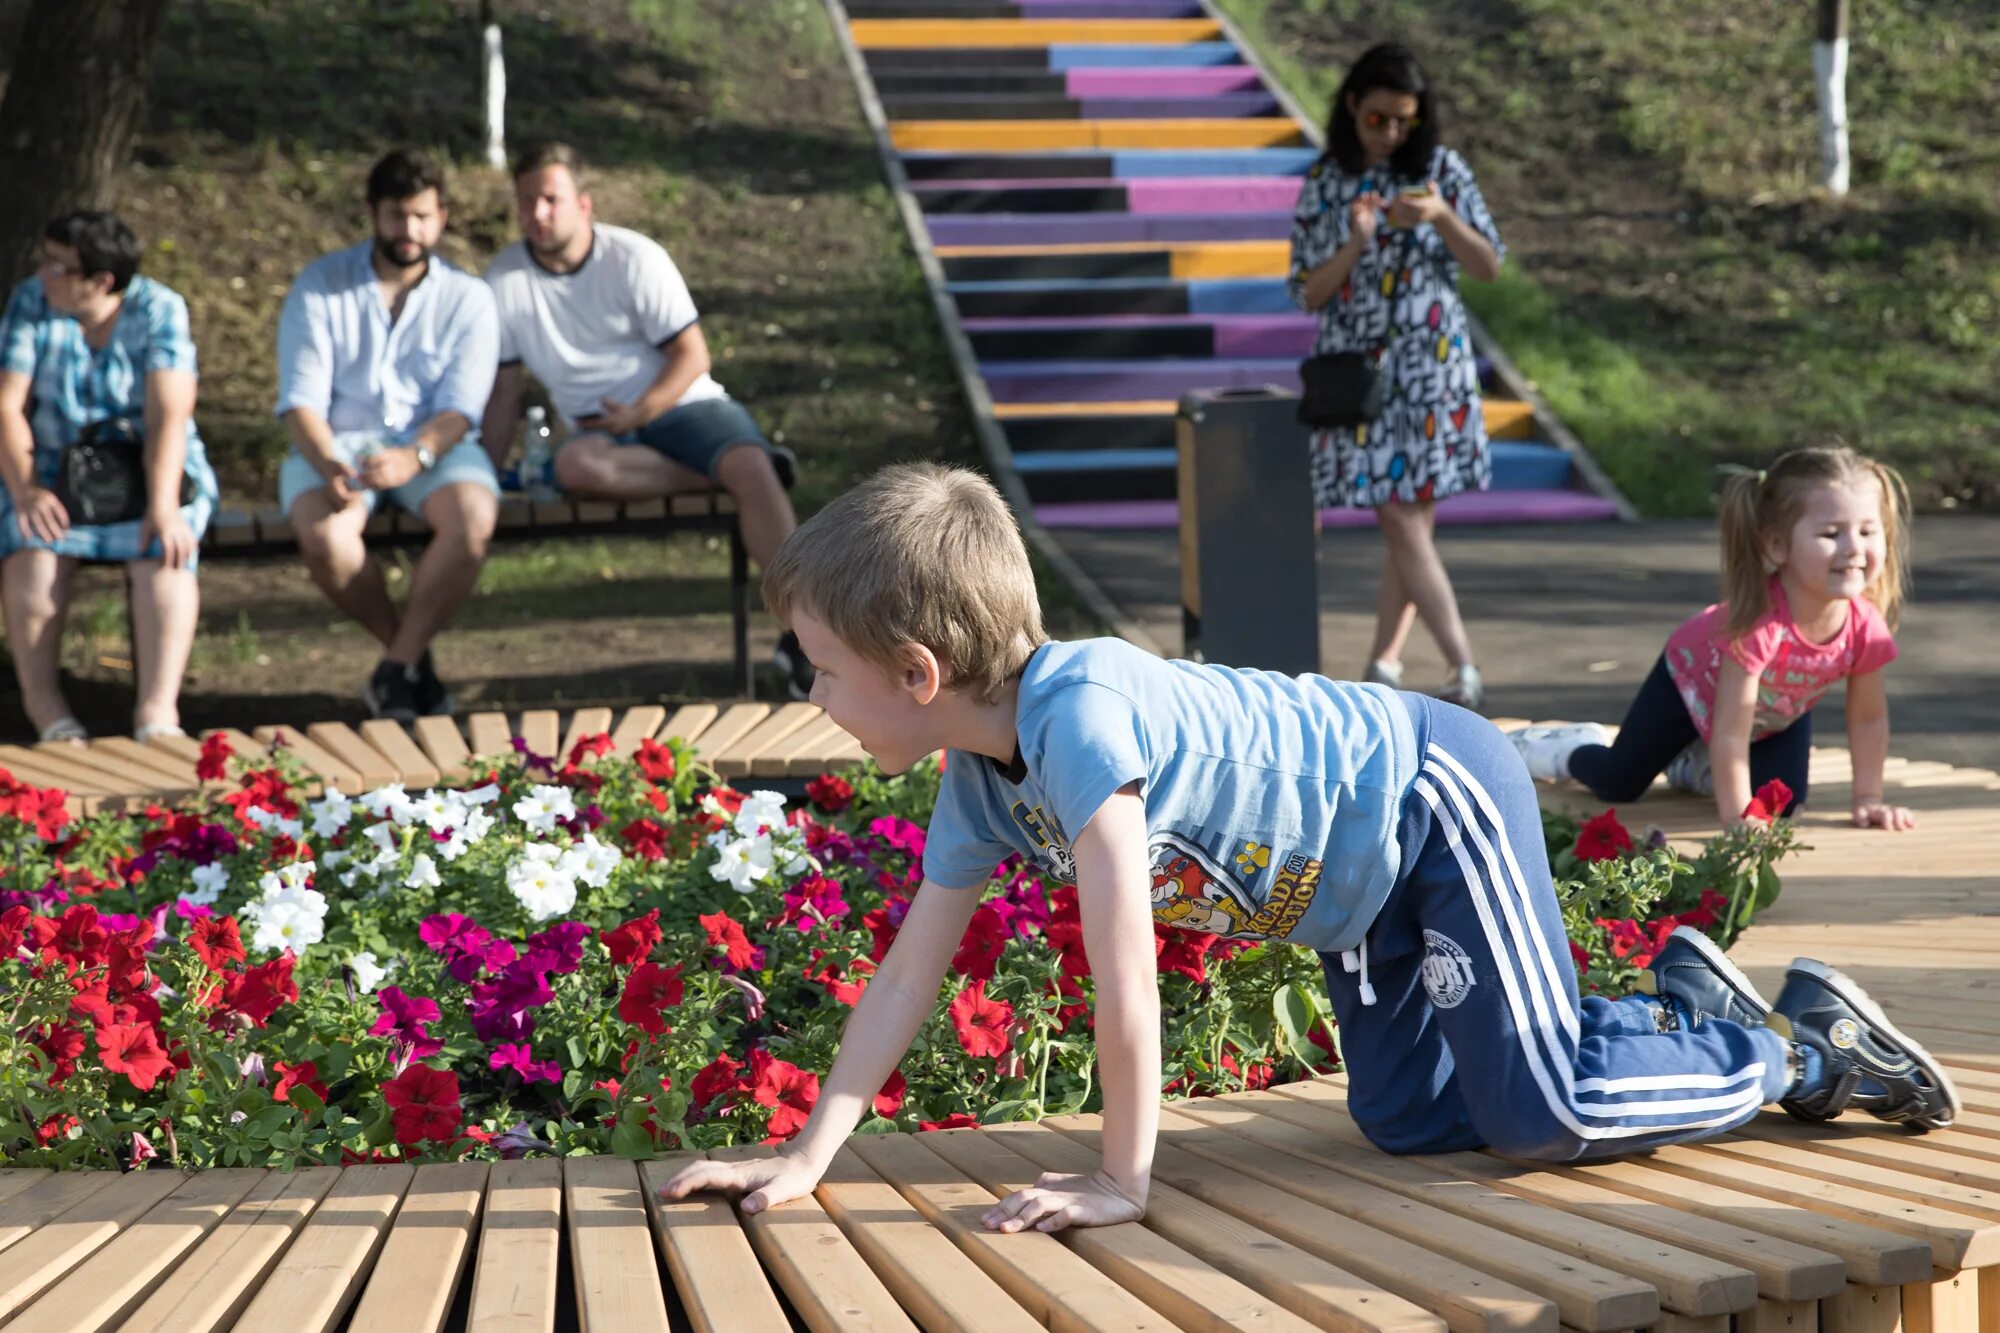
(1757, 506)
(921, 554)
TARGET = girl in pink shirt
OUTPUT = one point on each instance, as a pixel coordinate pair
(1814, 554)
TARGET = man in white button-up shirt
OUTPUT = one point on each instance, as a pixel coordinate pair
(386, 355)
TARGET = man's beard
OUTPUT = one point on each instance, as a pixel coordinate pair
(388, 250)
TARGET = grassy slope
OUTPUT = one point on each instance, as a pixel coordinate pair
(1679, 291)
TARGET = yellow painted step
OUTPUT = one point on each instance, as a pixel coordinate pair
(881, 34)
(1033, 136)
(1190, 259)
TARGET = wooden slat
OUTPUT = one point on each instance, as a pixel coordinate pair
(1589, 1295)
(340, 740)
(583, 722)
(827, 1282)
(734, 759)
(45, 1200)
(1780, 1317)
(416, 1277)
(149, 758)
(36, 1262)
(1859, 1309)
(1948, 1303)
(611, 1248)
(122, 773)
(1317, 1291)
(542, 729)
(314, 757)
(413, 767)
(444, 745)
(810, 749)
(735, 723)
(1182, 1286)
(491, 734)
(19, 1179)
(32, 766)
(637, 724)
(520, 1243)
(689, 722)
(1468, 1298)
(210, 1287)
(709, 1259)
(242, 745)
(909, 1244)
(112, 1283)
(320, 1275)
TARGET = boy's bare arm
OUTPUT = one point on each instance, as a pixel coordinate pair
(899, 998)
(1111, 877)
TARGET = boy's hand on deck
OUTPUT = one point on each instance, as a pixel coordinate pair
(1056, 1201)
(758, 1183)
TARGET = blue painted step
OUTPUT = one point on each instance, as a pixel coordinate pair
(1029, 297)
(1149, 474)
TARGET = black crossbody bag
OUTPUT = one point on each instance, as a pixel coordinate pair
(101, 476)
(1345, 389)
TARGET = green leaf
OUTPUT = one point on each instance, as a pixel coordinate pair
(630, 1139)
(1294, 1014)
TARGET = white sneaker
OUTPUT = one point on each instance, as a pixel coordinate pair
(1546, 750)
(1690, 771)
(1385, 673)
(1464, 687)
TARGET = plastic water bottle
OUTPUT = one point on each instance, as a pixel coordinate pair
(538, 459)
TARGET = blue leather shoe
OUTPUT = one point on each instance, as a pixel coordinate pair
(1863, 1060)
(1696, 982)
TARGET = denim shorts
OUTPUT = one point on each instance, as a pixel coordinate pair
(697, 435)
(464, 461)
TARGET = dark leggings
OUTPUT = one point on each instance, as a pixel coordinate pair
(1657, 727)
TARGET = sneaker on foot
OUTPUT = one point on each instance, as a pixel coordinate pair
(1465, 688)
(1863, 1060)
(1690, 771)
(433, 695)
(392, 691)
(791, 660)
(1696, 982)
(1546, 750)
(1385, 673)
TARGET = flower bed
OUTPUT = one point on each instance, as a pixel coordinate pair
(605, 955)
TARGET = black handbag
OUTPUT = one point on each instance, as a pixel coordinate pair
(1345, 389)
(101, 477)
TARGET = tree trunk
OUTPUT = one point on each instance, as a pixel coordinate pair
(1830, 82)
(73, 104)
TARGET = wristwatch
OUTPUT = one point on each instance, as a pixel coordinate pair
(425, 458)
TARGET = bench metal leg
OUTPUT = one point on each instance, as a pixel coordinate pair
(739, 609)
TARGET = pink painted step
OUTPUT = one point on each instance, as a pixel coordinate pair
(1151, 194)
(1471, 508)
(1111, 82)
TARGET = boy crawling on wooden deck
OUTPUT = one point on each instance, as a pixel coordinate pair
(1406, 849)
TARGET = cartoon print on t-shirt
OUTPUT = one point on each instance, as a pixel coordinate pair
(1052, 850)
(1192, 893)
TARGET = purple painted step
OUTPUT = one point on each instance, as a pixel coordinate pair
(1161, 82)
(1129, 381)
(1236, 336)
(1098, 228)
(1158, 194)
(1471, 508)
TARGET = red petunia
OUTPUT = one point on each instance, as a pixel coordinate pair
(1770, 801)
(631, 942)
(882, 926)
(647, 838)
(725, 933)
(956, 1120)
(981, 1023)
(1603, 839)
(257, 993)
(64, 1046)
(830, 793)
(656, 761)
(718, 1078)
(790, 1092)
(213, 766)
(304, 1074)
(75, 934)
(1184, 951)
(424, 1103)
(890, 1099)
(133, 1049)
(845, 989)
(14, 924)
(589, 746)
(979, 951)
(218, 940)
(650, 990)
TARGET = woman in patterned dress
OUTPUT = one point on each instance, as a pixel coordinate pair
(1386, 221)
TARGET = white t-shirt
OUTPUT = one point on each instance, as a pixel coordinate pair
(595, 333)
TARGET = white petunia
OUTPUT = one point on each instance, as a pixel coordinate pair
(540, 885)
(390, 802)
(209, 882)
(543, 807)
(367, 972)
(486, 795)
(591, 861)
(331, 814)
(271, 823)
(287, 925)
(437, 810)
(743, 863)
(760, 810)
(423, 873)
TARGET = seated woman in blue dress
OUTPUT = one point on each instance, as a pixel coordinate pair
(85, 344)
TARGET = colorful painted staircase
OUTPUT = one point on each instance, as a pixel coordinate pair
(1107, 187)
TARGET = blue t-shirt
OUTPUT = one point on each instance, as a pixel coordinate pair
(1272, 802)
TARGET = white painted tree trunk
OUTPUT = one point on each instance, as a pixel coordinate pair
(496, 99)
(1830, 77)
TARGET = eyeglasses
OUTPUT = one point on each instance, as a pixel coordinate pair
(1377, 121)
(50, 264)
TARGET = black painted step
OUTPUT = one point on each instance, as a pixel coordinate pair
(1094, 344)
(1060, 434)
(1062, 267)
(981, 106)
(1109, 197)
(957, 57)
(1164, 298)
(1005, 166)
(896, 83)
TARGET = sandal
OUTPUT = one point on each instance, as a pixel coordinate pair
(65, 729)
(146, 734)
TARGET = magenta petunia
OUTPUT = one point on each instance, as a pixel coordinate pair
(519, 1058)
(403, 1019)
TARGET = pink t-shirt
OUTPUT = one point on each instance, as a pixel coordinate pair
(1792, 671)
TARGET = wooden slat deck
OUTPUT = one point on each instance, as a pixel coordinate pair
(1269, 1210)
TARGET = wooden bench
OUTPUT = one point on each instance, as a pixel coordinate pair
(743, 741)
(236, 534)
